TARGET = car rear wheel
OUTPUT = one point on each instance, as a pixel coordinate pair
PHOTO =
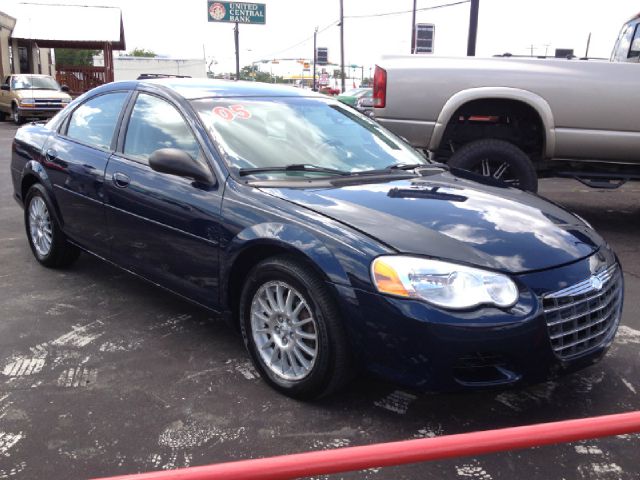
(293, 330)
(499, 160)
(15, 115)
(48, 244)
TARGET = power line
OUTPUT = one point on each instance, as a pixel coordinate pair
(386, 14)
(336, 22)
(332, 24)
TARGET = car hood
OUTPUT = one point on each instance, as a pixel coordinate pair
(28, 93)
(450, 217)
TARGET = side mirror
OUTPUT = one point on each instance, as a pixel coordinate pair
(64, 88)
(178, 162)
(5, 87)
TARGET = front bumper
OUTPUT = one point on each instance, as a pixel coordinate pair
(39, 112)
(423, 347)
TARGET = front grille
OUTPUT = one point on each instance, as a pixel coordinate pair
(582, 317)
(48, 102)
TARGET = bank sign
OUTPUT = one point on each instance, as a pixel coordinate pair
(240, 12)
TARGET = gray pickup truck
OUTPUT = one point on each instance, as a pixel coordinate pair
(517, 119)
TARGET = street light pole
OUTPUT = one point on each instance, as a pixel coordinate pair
(236, 35)
(342, 43)
(315, 58)
(413, 28)
(473, 28)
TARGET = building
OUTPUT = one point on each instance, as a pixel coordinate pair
(129, 68)
(18, 55)
(30, 33)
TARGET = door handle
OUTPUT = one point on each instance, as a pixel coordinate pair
(51, 154)
(121, 180)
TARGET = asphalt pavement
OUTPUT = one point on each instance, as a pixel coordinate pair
(103, 374)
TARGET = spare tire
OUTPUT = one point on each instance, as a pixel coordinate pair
(499, 160)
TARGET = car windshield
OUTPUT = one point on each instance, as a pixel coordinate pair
(353, 92)
(33, 82)
(282, 132)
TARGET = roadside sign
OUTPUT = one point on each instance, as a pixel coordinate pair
(324, 78)
(236, 12)
(322, 56)
(425, 33)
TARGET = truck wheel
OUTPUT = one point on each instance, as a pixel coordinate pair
(15, 115)
(497, 159)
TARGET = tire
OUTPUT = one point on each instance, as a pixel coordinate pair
(3, 116)
(15, 115)
(48, 244)
(266, 327)
(497, 159)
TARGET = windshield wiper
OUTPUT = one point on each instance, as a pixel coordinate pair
(391, 168)
(294, 167)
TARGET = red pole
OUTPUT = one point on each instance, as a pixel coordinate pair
(409, 451)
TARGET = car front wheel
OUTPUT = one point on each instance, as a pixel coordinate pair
(293, 330)
(48, 244)
(15, 115)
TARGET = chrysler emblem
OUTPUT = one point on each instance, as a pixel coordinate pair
(596, 283)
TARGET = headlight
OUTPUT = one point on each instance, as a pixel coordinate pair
(443, 284)
(26, 101)
(65, 100)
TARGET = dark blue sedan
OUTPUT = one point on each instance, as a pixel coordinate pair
(329, 241)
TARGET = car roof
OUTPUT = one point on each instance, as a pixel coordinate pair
(192, 88)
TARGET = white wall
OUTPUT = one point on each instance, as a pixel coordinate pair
(129, 68)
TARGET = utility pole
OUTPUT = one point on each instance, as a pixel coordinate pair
(342, 43)
(586, 53)
(473, 28)
(531, 50)
(413, 28)
(315, 59)
(236, 35)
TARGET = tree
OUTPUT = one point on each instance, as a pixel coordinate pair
(253, 74)
(142, 52)
(74, 56)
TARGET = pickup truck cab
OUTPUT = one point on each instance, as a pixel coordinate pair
(627, 47)
(25, 96)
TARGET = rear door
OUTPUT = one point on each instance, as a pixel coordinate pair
(164, 227)
(76, 158)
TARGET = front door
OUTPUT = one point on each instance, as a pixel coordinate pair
(164, 227)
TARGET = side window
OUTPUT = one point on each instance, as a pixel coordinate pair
(634, 51)
(95, 120)
(156, 124)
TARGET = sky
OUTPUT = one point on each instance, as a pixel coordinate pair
(180, 29)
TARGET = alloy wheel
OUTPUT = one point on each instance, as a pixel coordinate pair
(40, 226)
(497, 169)
(284, 330)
